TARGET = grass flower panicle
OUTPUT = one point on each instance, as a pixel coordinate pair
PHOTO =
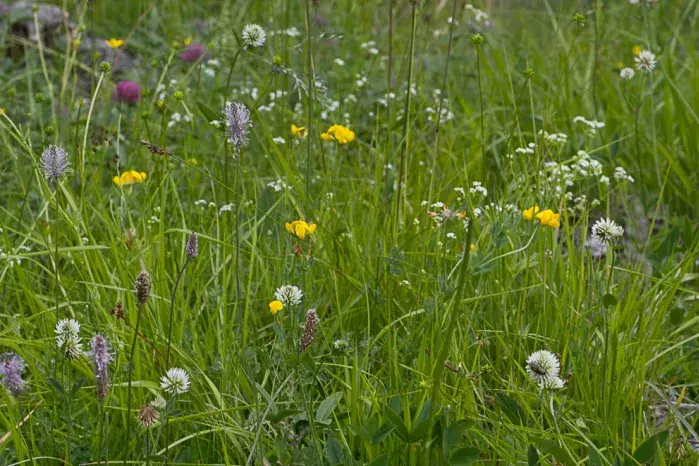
(100, 365)
(192, 247)
(11, 367)
(309, 330)
(142, 287)
(289, 295)
(54, 163)
(175, 381)
(238, 123)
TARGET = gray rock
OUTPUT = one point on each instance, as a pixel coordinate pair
(49, 17)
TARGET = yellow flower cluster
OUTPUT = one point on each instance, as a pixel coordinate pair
(275, 306)
(545, 217)
(300, 229)
(130, 177)
(299, 131)
(115, 43)
(338, 133)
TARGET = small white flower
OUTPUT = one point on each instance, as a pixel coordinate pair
(627, 73)
(554, 383)
(158, 403)
(289, 294)
(645, 61)
(68, 338)
(339, 62)
(606, 231)
(175, 381)
(451, 235)
(543, 366)
(279, 140)
(254, 35)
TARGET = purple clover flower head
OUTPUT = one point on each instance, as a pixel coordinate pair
(11, 367)
(193, 52)
(127, 91)
(238, 123)
(100, 365)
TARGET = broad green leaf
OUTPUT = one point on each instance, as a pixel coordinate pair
(552, 448)
(334, 451)
(326, 408)
(207, 112)
(382, 460)
(595, 460)
(464, 456)
(451, 438)
(647, 450)
(532, 456)
(609, 300)
(381, 433)
(397, 422)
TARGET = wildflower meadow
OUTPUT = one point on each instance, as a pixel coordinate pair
(349, 232)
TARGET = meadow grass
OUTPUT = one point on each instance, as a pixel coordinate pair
(435, 268)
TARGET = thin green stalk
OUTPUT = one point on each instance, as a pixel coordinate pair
(130, 376)
(311, 96)
(83, 151)
(406, 122)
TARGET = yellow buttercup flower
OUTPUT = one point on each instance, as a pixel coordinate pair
(548, 218)
(529, 213)
(300, 229)
(130, 177)
(339, 133)
(619, 65)
(299, 131)
(188, 41)
(275, 306)
(115, 43)
(472, 247)
(636, 50)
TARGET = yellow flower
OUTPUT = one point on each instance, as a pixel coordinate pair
(472, 247)
(115, 43)
(130, 177)
(636, 50)
(339, 133)
(530, 212)
(300, 229)
(76, 43)
(548, 218)
(299, 131)
(188, 41)
(275, 306)
(193, 162)
(619, 65)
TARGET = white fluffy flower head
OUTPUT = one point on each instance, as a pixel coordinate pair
(543, 367)
(68, 338)
(645, 61)
(289, 294)
(627, 73)
(175, 381)
(254, 35)
(606, 231)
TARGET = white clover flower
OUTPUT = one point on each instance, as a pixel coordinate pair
(158, 403)
(543, 367)
(68, 338)
(289, 294)
(645, 61)
(254, 35)
(175, 381)
(627, 73)
(554, 383)
(606, 231)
